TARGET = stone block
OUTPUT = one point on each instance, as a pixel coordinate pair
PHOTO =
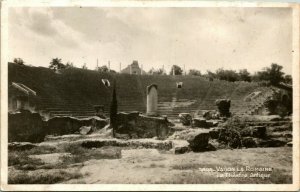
(84, 130)
(248, 142)
(202, 123)
(185, 119)
(223, 107)
(198, 140)
(70, 125)
(142, 126)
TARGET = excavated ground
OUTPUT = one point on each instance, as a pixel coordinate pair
(64, 160)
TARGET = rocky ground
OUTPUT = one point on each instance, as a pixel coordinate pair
(250, 150)
(124, 165)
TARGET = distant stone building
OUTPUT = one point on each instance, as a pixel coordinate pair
(20, 97)
(133, 68)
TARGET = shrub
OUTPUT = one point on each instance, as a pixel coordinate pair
(21, 161)
(41, 178)
(227, 75)
(176, 70)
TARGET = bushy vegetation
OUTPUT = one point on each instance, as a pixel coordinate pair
(42, 178)
(56, 64)
(159, 71)
(194, 72)
(272, 75)
(176, 70)
(227, 75)
(288, 79)
(19, 61)
(244, 75)
(20, 158)
(105, 69)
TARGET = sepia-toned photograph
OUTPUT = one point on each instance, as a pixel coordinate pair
(149, 95)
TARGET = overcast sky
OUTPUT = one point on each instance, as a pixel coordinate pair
(200, 38)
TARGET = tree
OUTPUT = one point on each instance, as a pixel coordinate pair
(272, 74)
(159, 71)
(260, 76)
(69, 65)
(288, 79)
(56, 64)
(244, 75)
(112, 71)
(176, 70)
(227, 75)
(103, 68)
(19, 61)
(275, 74)
(114, 110)
(209, 75)
(194, 72)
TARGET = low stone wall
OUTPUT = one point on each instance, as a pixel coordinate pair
(21, 146)
(25, 126)
(136, 125)
(69, 125)
(134, 143)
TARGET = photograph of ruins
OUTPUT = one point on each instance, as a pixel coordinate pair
(147, 95)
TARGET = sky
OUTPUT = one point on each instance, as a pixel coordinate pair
(194, 38)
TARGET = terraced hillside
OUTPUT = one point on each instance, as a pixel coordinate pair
(75, 91)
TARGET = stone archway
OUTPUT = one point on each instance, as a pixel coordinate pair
(152, 99)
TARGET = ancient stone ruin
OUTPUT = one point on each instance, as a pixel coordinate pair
(69, 125)
(136, 125)
(21, 97)
(185, 118)
(26, 126)
(31, 127)
(223, 106)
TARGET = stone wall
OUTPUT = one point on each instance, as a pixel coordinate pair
(30, 127)
(136, 125)
(26, 126)
(69, 125)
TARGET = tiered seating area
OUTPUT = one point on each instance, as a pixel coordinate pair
(198, 94)
(130, 94)
(66, 109)
(76, 91)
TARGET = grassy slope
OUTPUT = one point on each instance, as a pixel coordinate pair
(79, 87)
